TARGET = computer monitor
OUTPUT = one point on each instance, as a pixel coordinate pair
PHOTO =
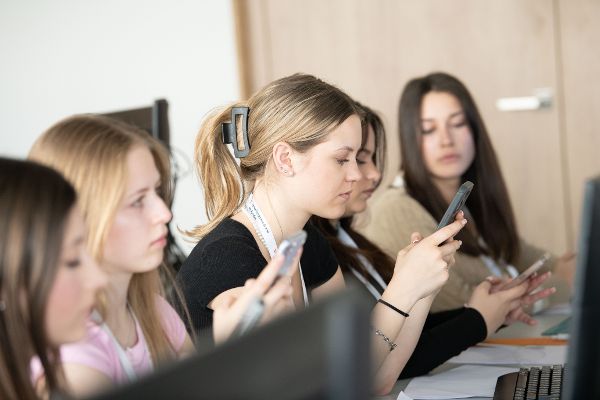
(153, 119)
(320, 353)
(582, 372)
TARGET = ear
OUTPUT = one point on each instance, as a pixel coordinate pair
(282, 158)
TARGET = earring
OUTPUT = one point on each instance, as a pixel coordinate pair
(285, 171)
(2, 305)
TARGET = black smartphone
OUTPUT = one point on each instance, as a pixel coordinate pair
(289, 247)
(457, 203)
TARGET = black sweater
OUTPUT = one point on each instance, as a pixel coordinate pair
(229, 255)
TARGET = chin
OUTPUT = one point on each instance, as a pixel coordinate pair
(334, 212)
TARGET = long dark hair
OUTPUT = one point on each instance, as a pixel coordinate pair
(348, 257)
(35, 202)
(489, 203)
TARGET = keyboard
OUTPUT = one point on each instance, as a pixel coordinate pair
(530, 383)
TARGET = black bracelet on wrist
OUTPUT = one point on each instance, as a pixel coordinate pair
(399, 311)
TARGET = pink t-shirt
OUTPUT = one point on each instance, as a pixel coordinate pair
(98, 350)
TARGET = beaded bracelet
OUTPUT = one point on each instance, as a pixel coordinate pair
(386, 339)
(399, 311)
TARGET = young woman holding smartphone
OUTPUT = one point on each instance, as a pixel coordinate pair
(434, 337)
(443, 143)
(302, 136)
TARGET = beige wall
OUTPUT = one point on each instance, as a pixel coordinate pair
(498, 48)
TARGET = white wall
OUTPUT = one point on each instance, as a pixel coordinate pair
(61, 57)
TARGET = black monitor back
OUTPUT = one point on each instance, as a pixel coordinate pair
(320, 353)
(153, 119)
(582, 375)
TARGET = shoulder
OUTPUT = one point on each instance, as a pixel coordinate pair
(394, 200)
(230, 246)
(224, 259)
(95, 351)
(229, 234)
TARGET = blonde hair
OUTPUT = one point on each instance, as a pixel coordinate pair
(91, 151)
(300, 110)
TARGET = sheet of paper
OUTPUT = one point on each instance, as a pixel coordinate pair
(403, 396)
(458, 383)
(509, 355)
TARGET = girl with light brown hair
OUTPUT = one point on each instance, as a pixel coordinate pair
(48, 282)
(297, 140)
(122, 177)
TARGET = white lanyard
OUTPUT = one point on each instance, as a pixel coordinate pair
(494, 267)
(348, 241)
(123, 358)
(266, 235)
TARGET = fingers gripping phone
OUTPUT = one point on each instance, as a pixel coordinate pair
(289, 247)
(456, 204)
(523, 276)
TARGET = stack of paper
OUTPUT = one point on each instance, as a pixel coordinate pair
(461, 382)
(512, 355)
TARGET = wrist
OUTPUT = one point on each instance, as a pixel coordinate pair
(402, 290)
(402, 301)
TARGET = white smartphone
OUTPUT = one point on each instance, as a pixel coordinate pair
(523, 276)
(289, 247)
(251, 317)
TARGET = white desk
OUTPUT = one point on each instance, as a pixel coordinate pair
(516, 330)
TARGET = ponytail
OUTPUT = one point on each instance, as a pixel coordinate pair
(219, 173)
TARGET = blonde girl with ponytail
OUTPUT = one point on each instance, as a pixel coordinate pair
(297, 141)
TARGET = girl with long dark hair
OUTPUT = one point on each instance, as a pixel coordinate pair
(444, 142)
(435, 337)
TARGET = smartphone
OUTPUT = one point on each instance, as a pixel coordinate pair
(289, 247)
(251, 317)
(457, 203)
(523, 276)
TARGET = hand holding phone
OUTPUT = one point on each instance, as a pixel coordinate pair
(523, 276)
(456, 204)
(251, 317)
(289, 247)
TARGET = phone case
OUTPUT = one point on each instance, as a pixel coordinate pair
(456, 204)
(289, 247)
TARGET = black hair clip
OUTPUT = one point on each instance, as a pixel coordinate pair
(229, 131)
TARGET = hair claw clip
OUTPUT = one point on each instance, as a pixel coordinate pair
(229, 131)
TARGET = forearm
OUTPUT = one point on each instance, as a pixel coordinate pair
(444, 341)
(406, 339)
(389, 323)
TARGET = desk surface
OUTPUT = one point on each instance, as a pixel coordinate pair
(517, 330)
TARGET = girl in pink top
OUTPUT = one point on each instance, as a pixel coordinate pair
(122, 177)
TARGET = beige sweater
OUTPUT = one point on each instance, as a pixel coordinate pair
(394, 215)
